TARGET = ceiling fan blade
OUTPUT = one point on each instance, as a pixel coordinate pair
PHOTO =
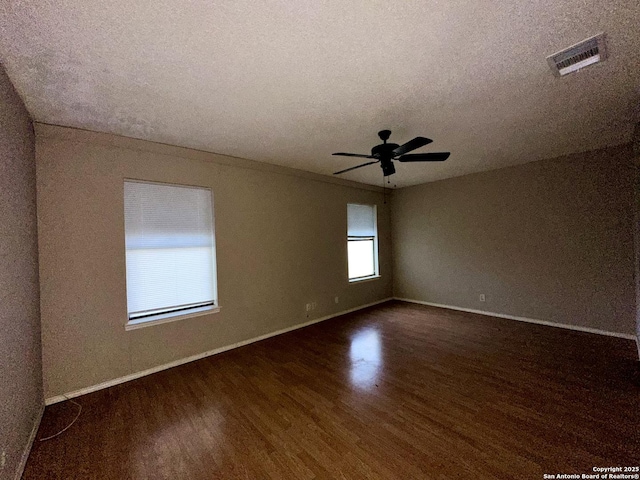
(425, 157)
(352, 155)
(353, 168)
(412, 145)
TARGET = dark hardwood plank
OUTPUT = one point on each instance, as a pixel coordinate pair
(394, 391)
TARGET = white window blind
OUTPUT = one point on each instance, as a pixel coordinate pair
(361, 220)
(170, 252)
(362, 245)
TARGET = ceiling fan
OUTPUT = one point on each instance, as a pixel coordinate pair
(385, 153)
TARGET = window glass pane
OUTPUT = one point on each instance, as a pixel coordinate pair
(361, 261)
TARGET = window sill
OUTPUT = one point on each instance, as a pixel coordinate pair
(365, 279)
(168, 317)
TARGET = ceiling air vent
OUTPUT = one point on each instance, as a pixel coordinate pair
(589, 51)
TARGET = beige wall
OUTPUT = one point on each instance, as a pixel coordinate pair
(281, 242)
(20, 355)
(549, 240)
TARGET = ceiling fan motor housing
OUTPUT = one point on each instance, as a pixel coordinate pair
(384, 150)
(385, 153)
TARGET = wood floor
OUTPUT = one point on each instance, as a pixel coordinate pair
(397, 391)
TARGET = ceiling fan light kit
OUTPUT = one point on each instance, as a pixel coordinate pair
(386, 153)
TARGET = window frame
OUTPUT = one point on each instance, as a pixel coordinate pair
(356, 238)
(207, 308)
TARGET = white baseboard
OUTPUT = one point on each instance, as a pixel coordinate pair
(27, 448)
(133, 376)
(626, 336)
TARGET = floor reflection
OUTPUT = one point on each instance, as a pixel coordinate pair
(366, 358)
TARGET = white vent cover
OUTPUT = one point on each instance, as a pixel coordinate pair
(589, 51)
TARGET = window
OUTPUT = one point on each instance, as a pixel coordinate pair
(362, 241)
(170, 252)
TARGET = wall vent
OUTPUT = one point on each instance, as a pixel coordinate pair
(589, 51)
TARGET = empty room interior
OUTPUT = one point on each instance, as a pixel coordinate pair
(319, 240)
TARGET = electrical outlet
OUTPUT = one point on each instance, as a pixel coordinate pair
(3, 459)
(314, 305)
(483, 298)
(308, 307)
(336, 299)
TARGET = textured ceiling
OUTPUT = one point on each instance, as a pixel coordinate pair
(290, 82)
